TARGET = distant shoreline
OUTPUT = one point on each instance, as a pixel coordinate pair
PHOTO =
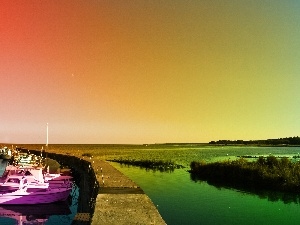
(230, 143)
(240, 145)
(170, 144)
(279, 142)
(253, 145)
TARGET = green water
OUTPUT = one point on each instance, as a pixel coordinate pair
(180, 200)
(183, 201)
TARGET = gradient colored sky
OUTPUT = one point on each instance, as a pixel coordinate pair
(149, 71)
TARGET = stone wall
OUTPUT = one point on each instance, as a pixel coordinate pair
(85, 178)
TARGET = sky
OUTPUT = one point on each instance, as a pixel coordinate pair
(139, 71)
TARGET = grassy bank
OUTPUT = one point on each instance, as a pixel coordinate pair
(268, 173)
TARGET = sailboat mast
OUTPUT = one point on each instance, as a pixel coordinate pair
(47, 136)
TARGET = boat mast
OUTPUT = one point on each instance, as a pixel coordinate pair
(47, 136)
(47, 141)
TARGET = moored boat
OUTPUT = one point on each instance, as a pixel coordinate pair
(29, 185)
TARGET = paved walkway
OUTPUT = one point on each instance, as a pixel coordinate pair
(121, 201)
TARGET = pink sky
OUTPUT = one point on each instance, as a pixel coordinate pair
(148, 71)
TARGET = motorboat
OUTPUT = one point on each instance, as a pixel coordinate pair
(30, 185)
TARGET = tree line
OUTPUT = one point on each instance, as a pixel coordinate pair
(274, 142)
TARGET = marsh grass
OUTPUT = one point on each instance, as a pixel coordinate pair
(160, 165)
(268, 173)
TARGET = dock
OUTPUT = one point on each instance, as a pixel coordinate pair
(122, 201)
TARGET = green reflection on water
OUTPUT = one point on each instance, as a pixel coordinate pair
(183, 201)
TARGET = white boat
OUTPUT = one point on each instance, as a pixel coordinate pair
(29, 185)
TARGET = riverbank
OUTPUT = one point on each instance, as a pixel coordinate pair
(120, 200)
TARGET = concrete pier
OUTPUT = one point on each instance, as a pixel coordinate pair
(121, 201)
(106, 196)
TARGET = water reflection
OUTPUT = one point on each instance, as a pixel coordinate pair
(32, 214)
(153, 169)
(272, 196)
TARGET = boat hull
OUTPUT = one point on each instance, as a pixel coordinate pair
(27, 198)
(6, 157)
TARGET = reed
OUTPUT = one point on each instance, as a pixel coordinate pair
(87, 154)
(268, 173)
(161, 165)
